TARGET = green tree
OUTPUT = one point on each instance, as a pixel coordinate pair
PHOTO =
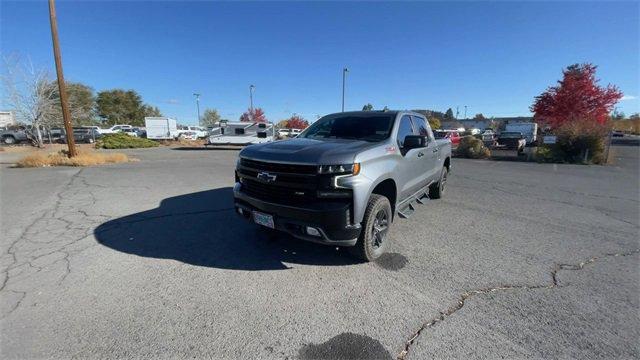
(119, 106)
(367, 107)
(448, 115)
(209, 117)
(434, 123)
(149, 110)
(81, 104)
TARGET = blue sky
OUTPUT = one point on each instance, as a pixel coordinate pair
(492, 57)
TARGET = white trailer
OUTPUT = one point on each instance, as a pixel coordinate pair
(529, 130)
(240, 133)
(161, 128)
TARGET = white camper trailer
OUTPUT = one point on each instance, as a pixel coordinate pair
(240, 133)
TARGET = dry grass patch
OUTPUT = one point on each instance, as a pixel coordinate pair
(61, 159)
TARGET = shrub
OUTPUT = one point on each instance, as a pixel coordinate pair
(548, 153)
(471, 147)
(575, 138)
(61, 159)
(123, 141)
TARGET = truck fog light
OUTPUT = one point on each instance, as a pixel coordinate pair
(312, 231)
(239, 210)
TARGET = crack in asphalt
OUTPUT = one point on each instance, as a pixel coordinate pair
(27, 230)
(468, 294)
(59, 243)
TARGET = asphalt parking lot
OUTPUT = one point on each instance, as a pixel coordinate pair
(148, 260)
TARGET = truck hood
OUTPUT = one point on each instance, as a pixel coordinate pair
(308, 151)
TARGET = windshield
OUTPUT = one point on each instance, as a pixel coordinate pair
(511, 135)
(373, 128)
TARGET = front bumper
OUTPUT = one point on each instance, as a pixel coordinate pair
(329, 217)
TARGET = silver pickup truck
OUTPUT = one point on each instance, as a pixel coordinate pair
(344, 179)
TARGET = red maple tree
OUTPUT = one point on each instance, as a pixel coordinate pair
(257, 116)
(576, 97)
(297, 122)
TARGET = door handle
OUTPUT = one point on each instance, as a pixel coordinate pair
(420, 154)
(435, 150)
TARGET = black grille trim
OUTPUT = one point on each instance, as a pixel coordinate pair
(279, 167)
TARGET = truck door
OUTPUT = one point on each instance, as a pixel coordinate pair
(431, 157)
(410, 170)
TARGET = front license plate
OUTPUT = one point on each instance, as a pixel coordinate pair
(263, 219)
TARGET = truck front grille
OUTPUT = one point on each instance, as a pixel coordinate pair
(275, 193)
(279, 167)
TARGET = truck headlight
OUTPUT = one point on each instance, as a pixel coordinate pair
(347, 169)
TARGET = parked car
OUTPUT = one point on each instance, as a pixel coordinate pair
(20, 133)
(83, 135)
(130, 131)
(511, 140)
(452, 135)
(342, 181)
(289, 132)
(97, 128)
(617, 133)
(14, 135)
(115, 129)
(488, 136)
(188, 135)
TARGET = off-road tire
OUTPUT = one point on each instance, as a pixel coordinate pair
(436, 191)
(369, 247)
(9, 140)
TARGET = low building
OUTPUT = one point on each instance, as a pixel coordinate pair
(7, 118)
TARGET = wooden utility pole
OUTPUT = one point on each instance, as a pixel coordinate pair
(61, 87)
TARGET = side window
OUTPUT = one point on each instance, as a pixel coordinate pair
(404, 129)
(421, 126)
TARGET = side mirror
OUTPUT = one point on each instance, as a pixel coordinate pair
(414, 141)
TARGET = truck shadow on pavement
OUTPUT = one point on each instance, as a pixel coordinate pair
(202, 229)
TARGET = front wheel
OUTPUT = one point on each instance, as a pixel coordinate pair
(436, 191)
(375, 227)
(9, 140)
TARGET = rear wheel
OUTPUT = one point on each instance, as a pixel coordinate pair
(375, 227)
(9, 140)
(436, 191)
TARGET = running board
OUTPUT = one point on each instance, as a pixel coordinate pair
(408, 206)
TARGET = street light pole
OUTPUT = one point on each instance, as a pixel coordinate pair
(251, 88)
(344, 78)
(198, 107)
(66, 115)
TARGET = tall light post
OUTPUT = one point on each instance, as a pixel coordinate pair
(198, 107)
(344, 79)
(251, 89)
(465, 111)
(66, 115)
